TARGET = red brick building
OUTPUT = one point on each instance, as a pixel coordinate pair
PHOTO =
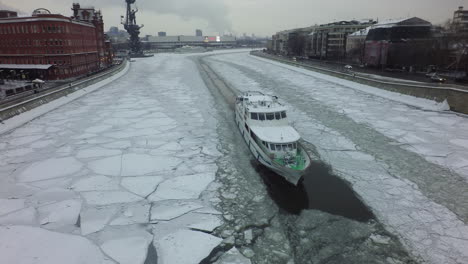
(52, 46)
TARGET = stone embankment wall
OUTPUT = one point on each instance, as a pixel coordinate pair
(40, 99)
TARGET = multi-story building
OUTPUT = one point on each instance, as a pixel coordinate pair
(399, 43)
(162, 34)
(199, 33)
(328, 41)
(53, 46)
(460, 20)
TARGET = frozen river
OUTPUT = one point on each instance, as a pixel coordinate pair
(150, 169)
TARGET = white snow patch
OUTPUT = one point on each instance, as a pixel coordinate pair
(60, 214)
(233, 256)
(172, 209)
(95, 219)
(183, 187)
(133, 214)
(97, 152)
(31, 245)
(130, 250)
(25, 216)
(142, 186)
(96, 183)
(133, 165)
(49, 169)
(111, 197)
(185, 247)
(208, 223)
(10, 205)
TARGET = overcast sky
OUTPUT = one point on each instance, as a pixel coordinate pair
(261, 17)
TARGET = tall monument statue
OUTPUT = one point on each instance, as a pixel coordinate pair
(133, 29)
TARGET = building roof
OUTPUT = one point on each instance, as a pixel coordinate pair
(276, 134)
(412, 21)
(26, 66)
(362, 32)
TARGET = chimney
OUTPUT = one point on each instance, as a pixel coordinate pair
(75, 9)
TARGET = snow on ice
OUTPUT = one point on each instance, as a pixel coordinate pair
(185, 247)
(169, 210)
(51, 168)
(421, 218)
(183, 187)
(87, 167)
(22, 244)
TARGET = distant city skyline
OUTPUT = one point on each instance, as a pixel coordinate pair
(259, 17)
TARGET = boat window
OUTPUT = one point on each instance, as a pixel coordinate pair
(278, 116)
(283, 114)
(270, 116)
(290, 146)
(254, 116)
(261, 116)
(284, 147)
(272, 146)
(295, 145)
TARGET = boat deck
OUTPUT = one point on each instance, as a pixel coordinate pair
(299, 164)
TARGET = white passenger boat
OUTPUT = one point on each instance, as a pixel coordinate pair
(263, 123)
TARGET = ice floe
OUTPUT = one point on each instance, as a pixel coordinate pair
(22, 244)
(51, 168)
(94, 219)
(185, 247)
(60, 214)
(10, 205)
(169, 210)
(142, 186)
(128, 250)
(183, 187)
(110, 197)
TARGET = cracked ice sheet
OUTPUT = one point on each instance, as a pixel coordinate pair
(183, 187)
(185, 247)
(21, 244)
(104, 144)
(128, 249)
(428, 229)
(133, 165)
(435, 132)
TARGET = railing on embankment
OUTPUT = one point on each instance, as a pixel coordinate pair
(456, 97)
(43, 98)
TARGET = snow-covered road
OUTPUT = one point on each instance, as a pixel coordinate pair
(405, 158)
(106, 176)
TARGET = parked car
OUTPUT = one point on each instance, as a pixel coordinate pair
(294, 58)
(348, 67)
(437, 78)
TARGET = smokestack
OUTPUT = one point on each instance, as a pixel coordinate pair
(75, 9)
